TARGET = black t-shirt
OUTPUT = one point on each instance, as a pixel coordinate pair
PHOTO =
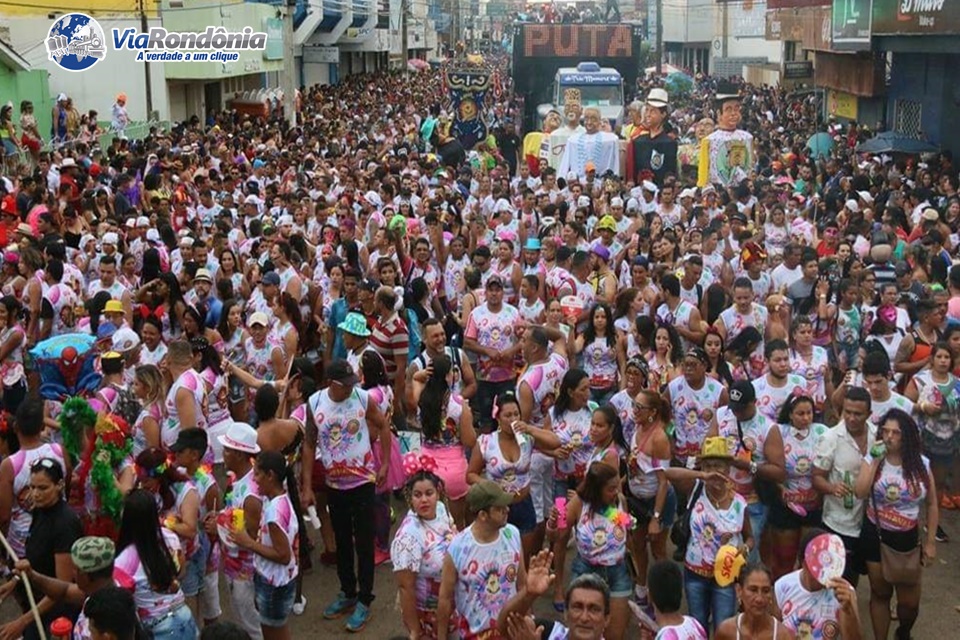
(52, 531)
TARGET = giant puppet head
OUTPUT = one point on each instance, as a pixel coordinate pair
(728, 106)
(552, 121)
(572, 107)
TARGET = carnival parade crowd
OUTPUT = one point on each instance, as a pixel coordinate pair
(223, 340)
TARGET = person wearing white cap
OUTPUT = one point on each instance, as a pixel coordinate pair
(239, 447)
(343, 422)
(654, 149)
(126, 342)
(58, 127)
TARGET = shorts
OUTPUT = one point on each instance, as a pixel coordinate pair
(784, 518)
(274, 604)
(210, 597)
(193, 576)
(617, 577)
(898, 540)
(523, 516)
(9, 147)
(642, 509)
(856, 564)
(941, 451)
(452, 469)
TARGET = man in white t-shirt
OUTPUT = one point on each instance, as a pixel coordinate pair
(836, 466)
(790, 270)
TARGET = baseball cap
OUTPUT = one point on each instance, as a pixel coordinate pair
(601, 252)
(110, 238)
(590, 166)
(486, 494)
(902, 268)
(9, 205)
(342, 373)
(106, 330)
(93, 553)
(369, 284)
(258, 318)
(269, 278)
(742, 394)
(194, 439)
(494, 281)
(125, 339)
(241, 437)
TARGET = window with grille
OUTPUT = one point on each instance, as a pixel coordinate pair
(907, 117)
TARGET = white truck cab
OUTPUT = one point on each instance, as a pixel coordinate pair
(600, 87)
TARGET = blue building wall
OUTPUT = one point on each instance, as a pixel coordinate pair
(930, 79)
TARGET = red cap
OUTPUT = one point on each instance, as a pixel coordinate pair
(9, 205)
(94, 169)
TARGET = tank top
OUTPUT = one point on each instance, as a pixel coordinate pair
(237, 562)
(343, 446)
(776, 626)
(894, 503)
(814, 370)
(506, 274)
(707, 525)
(259, 360)
(748, 446)
(192, 382)
(679, 317)
(600, 363)
(11, 369)
(543, 378)
(21, 511)
(693, 411)
(512, 476)
(573, 428)
(943, 426)
(642, 468)
(154, 411)
(602, 536)
(180, 491)
(799, 450)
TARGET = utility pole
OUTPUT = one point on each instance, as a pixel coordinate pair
(288, 75)
(659, 37)
(404, 43)
(146, 64)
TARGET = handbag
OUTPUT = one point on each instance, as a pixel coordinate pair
(897, 567)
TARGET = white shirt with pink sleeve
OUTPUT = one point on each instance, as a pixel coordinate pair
(128, 569)
(278, 511)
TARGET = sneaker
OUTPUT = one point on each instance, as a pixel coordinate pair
(339, 607)
(359, 618)
(300, 606)
(380, 556)
(941, 535)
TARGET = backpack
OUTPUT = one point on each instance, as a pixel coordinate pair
(680, 533)
(451, 352)
(127, 405)
(415, 336)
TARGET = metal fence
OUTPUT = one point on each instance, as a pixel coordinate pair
(134, 131)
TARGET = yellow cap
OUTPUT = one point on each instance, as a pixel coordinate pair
(715, 447)
(113, 306)
(111, 355)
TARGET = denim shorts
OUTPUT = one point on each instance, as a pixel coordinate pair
(523, 516)
(617, 577)
(274, 604)
(176, 625)
(192, 583)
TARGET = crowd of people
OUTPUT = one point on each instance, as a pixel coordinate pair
(296, 323)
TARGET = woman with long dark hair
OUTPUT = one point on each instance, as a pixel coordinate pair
(447, 427)
(717, 366)
(275, 558)
(896, 481)
(288, 329)
(12, 341)
(601, 541)
(146, 555)
(163, 298)
(599, 355)
(504, 457)
(664, 358)
(651, 498)
(798, 505)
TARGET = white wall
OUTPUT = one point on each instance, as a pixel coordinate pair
(95, 88)
(689, 20)
(745, 32)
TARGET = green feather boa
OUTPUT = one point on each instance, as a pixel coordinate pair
(77, 416)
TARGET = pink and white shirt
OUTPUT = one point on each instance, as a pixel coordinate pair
(278, 511)
(21, 511)
(494, 330)
(512, 477)
(192, 382)
(151, 605)
(343, 446)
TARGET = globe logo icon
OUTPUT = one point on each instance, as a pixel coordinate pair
(76, 42)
